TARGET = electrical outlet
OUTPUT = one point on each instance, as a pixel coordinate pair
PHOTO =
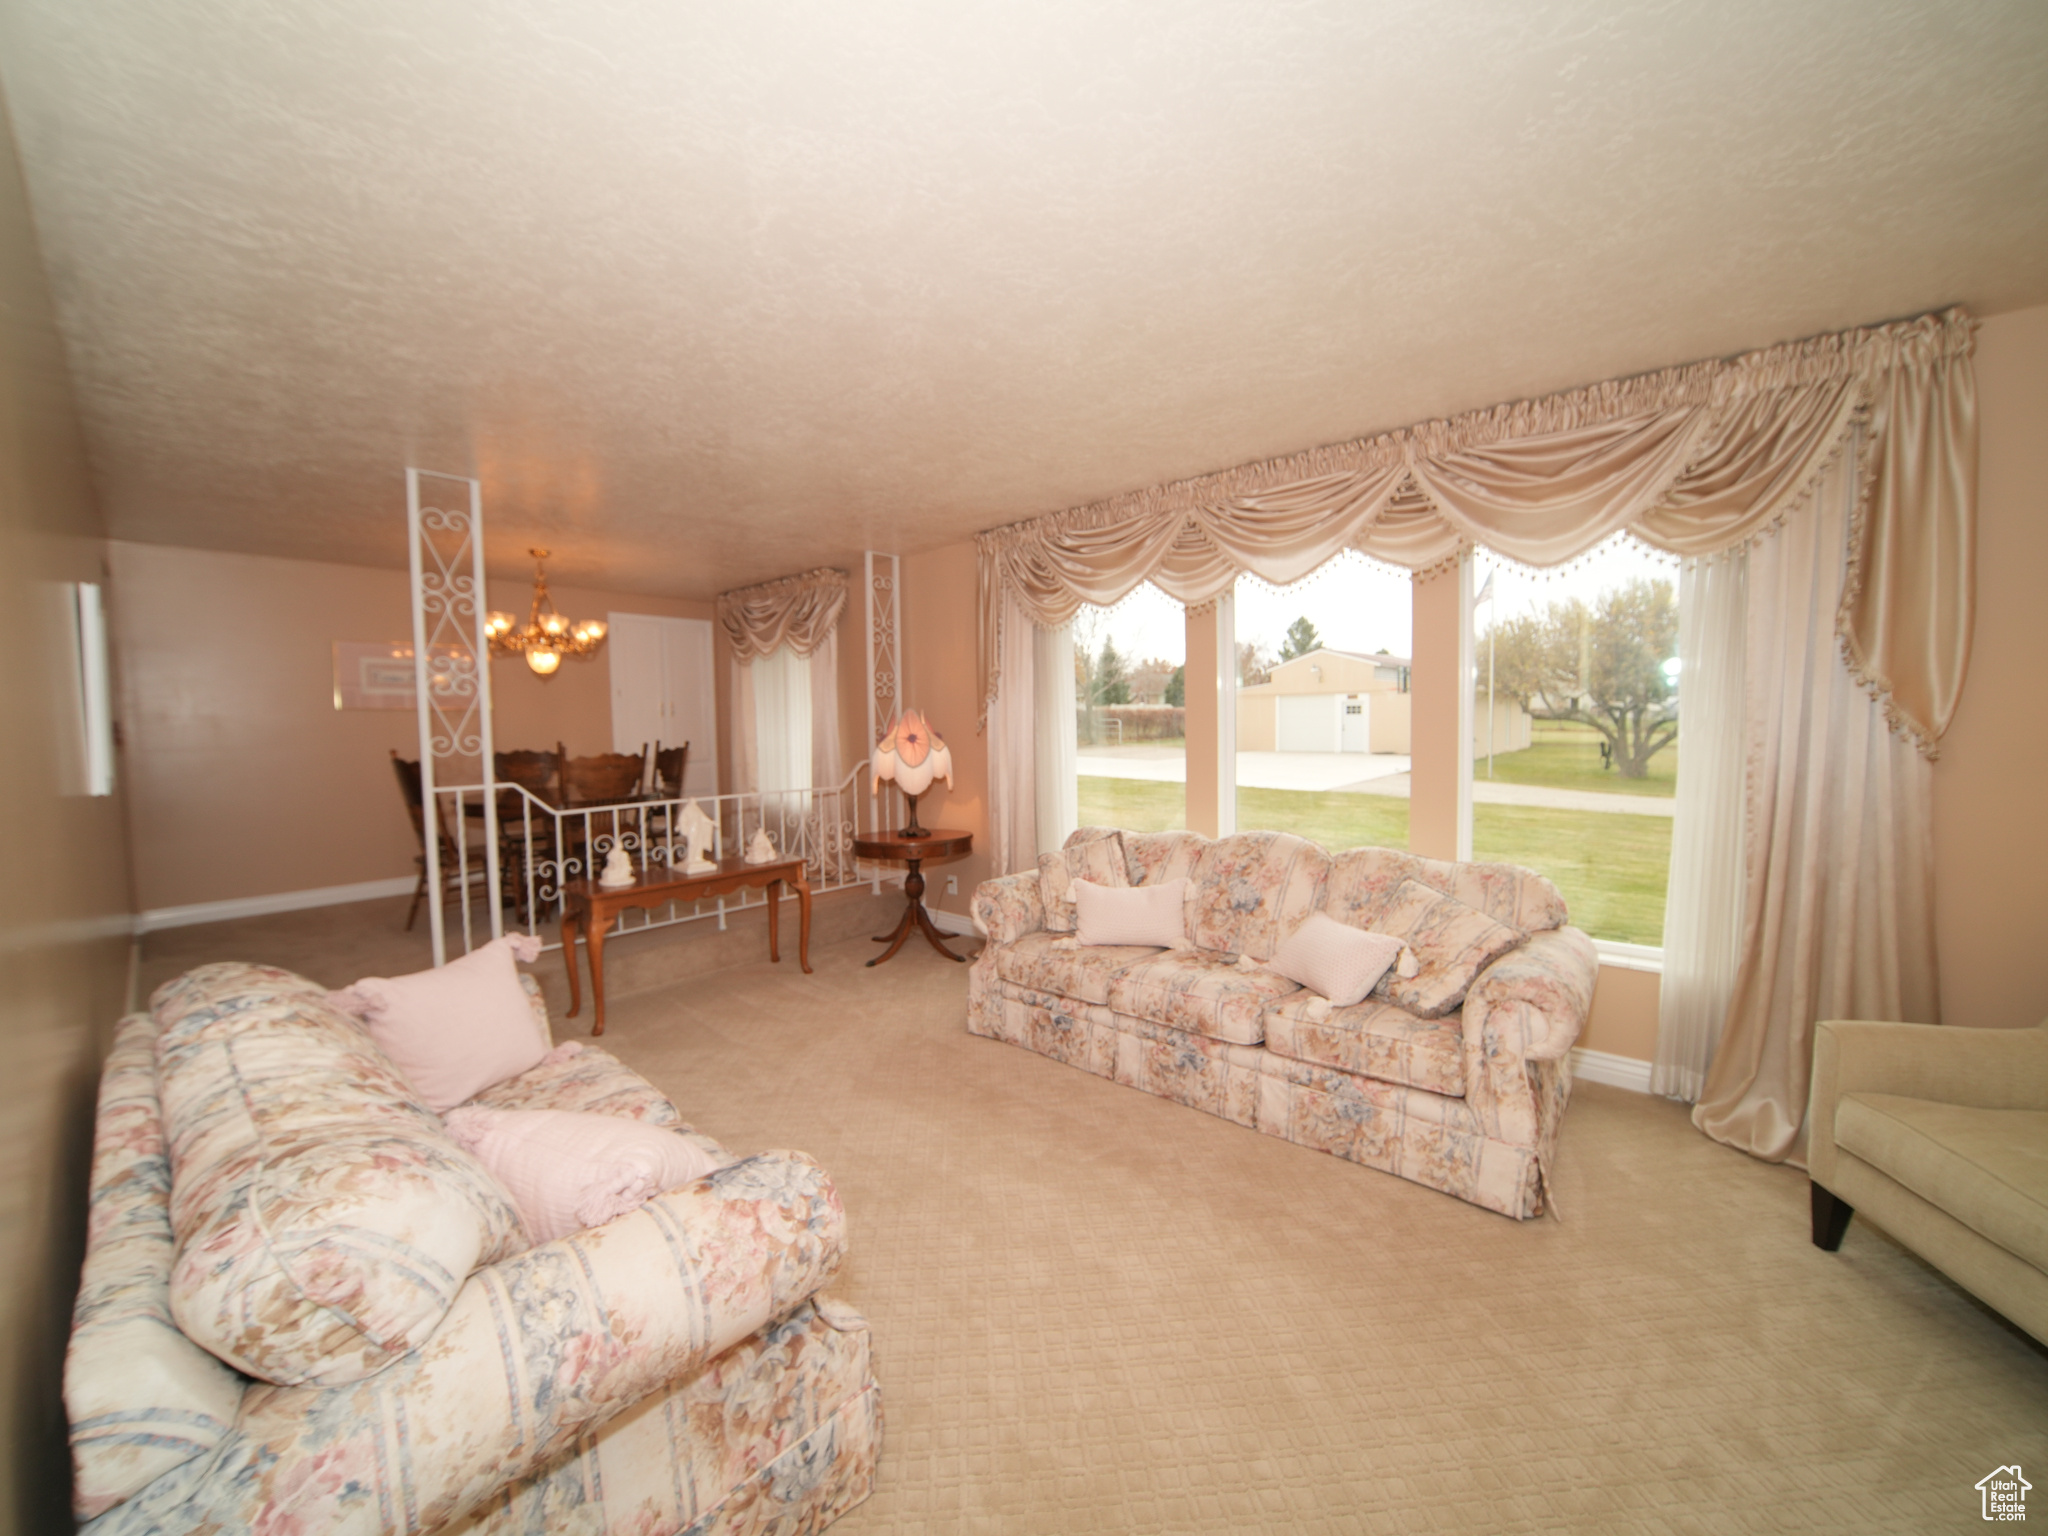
(952, 885)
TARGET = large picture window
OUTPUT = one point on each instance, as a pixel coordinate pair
(1130, 715)
(1575, 748)
(1323, 699)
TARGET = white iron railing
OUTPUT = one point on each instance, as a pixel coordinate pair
(542, 847)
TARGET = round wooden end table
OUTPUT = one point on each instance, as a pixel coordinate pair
(939, 843)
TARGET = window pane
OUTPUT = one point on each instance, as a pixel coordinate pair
(1322, 705)
(1131, 758)
(1575, 765)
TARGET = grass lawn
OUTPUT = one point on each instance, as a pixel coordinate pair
(1563, 754)
(1611, 869)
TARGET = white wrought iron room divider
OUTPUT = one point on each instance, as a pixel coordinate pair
(452, 678)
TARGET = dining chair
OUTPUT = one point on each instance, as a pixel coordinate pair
(539, 773)
(452, 876)
(608, 778)
(668, 770)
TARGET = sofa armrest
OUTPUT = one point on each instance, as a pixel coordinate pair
(1008, 907)
(1551, 977)
(1982, 1068)
(536, 1351)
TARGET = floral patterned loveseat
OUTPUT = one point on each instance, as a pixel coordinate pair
(677, 1369)
(1468, 1103)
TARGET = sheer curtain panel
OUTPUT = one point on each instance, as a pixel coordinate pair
(1703, 901)
(782, 725)
(1012, 757)
(1059, 809)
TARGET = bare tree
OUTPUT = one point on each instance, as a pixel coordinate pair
(1601, 664)
(1254, 663)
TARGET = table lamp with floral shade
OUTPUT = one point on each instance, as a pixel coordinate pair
(911, 756)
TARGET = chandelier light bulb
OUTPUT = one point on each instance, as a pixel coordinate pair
(543, 662)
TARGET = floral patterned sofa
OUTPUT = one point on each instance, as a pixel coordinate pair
(677, 1369)
(1468, 1103)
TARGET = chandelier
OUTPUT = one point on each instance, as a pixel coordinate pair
(546, 637)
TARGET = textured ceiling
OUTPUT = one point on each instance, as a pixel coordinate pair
(707, 294)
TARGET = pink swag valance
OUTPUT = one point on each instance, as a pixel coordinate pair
(1690, 460)
(796, 611)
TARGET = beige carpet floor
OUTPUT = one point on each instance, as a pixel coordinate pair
(1095, 1311)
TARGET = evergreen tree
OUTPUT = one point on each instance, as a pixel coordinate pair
(1112, 675)
(1301, 639)
(1177, 688)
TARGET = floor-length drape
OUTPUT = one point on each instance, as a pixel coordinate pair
(1703, 901)
(1838, 917)
(1012, 755)
(1059, 807)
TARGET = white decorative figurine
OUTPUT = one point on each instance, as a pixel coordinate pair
(762, 849)
(697, 830)
(618, 869)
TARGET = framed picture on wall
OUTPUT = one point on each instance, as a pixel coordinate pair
(378, 674)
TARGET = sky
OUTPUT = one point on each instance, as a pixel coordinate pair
(1357, 605)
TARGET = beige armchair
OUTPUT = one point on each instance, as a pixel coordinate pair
(1940, 1136)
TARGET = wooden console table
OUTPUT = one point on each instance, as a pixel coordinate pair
(939, 844)
(590, 909)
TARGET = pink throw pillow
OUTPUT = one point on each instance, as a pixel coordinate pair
(457, 1030)
(1137, 914)
(1336, 960)
(568, 1169)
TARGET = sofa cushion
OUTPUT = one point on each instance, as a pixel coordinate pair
(1988, 1168)
(587, 1077)
(1060, 964)
(141, 1397)
(1155, 858)
(1253, 887)
(458, 1028)
(1373, 1039)
(1098, 859)
(1154, 915)
(568, 1169)
(1335, 960)
(1200, 993)
(1452, 942)
(1363, 880)
(324, 1218)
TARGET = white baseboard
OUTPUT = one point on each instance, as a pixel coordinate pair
(280, 901)
(1615, 1071)
(951, 922)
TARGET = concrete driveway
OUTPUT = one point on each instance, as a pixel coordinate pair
(1358, 773)
(1314, 771)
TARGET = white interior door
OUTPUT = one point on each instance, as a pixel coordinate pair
(663, 690)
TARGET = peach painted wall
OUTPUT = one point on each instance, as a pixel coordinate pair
(1991, 780)
(64, 904)
(244, 778)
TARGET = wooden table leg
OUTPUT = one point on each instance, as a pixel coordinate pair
(570, 926)
(931, 931)
(594, 940)
(915, 919)
(803, 908)
(894, 938)
(774, 921)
